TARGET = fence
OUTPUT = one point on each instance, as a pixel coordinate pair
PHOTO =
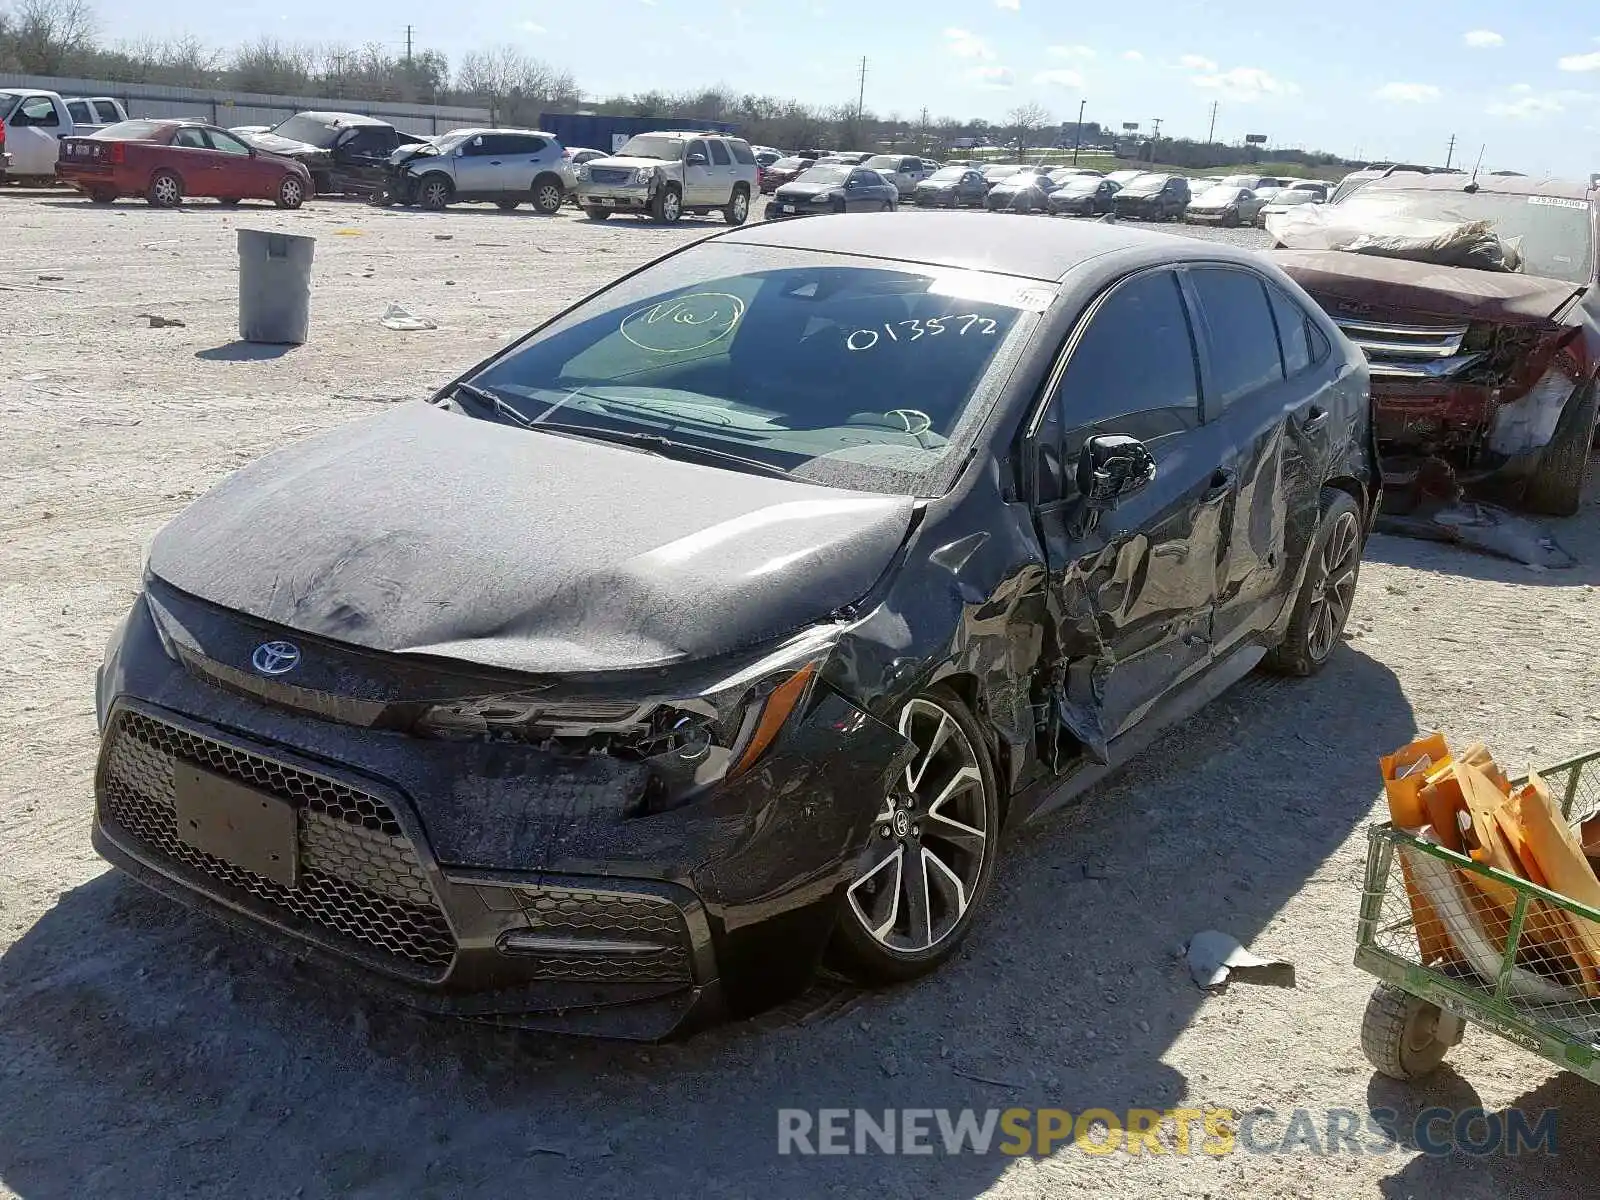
(247, 108)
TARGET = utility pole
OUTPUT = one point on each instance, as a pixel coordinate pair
(1155, 138)
(1449, 155)
(408, 45)
(1077, 138)
(1211, 133)
(861, 96)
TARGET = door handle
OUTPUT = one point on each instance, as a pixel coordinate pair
(1315, 418)
(1221, 483)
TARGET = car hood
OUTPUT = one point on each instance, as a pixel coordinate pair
(942, 185)
(422, 531)
(802, 191)
(288, 147)
(629, 164)
(1395, 283)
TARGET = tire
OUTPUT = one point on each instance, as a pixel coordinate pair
(666, 206)
(549, 194)
(882, 937)
(737, 211)
(434, 193)
(1556, 488)
(165, 191)
(291, 192)
(887, 206)
(1321, 609)
(508, 205)
(837, 207)
(228, 201)
(596, 213)
(1230, 220)
(102, 195)
(1405, 1037)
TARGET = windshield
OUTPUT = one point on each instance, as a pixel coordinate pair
(844, 372)
(1000, 172)
(1242, 181)
(825, 175)
(1081, 185)
(792, 164)
(308, 130)
(1295, 196)
(1145, 185)
(1217, 196)
(131, 131)
(884, 162)
(1555, 235)
(949, 174)
(650, 146)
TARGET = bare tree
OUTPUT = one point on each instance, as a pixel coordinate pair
(45, 36)
(514, 79)
(1024, 122)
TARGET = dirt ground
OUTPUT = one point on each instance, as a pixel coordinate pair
(147, 1052)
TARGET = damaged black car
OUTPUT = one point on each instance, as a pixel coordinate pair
(723, 625)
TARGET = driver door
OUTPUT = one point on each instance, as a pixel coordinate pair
(699, 181)
(1132, 586)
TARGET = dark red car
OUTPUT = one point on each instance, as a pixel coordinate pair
(167, 161)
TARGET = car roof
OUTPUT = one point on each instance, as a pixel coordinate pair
(342, 118)
(1042, 250)
(1506, 185)
(474, 132)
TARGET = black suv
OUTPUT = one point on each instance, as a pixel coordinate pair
(1153, 198)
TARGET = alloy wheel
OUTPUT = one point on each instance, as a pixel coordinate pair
(291, 193)
(930, 840)
(671, 207)
(166, 191)
(741, 207)
(548, 198)
(1330, 606)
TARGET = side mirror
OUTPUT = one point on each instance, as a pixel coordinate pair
(696, 160)
(1112, 466)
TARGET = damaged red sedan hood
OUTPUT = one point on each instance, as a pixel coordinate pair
(1399, 284)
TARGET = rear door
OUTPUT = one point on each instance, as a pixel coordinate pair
(1132, 587)
(520, 157)
(1274, 420)
(197, 163)
(240, 175)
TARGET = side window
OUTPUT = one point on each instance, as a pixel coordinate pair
(529, 145)
(41, 112)
(191, 138)
(1294, 332)
(719, 154)
(1133, 371)
(483, 145)
(107, 112)
(742, 153)
(78, 110)
(696, 147)
(1240, 335)
(1320, 346)
(227, 143)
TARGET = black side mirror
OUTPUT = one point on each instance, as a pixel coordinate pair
(1112, 466)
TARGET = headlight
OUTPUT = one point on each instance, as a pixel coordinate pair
(581, 171)
(644, 175)
(690, 737)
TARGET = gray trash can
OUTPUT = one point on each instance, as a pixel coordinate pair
(274, 286)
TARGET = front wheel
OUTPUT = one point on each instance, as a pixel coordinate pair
(1323, 605)
(291, 193)
(666, 206)
(434, 194)
(738, 210)
(1557, 489)
(930, 851)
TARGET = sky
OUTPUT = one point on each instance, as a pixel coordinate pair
(1519, 83)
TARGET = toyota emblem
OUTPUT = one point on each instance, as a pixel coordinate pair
(275, 658)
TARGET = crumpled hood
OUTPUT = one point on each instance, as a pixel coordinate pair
(1395, 283)
(288, 147)
(423, 531)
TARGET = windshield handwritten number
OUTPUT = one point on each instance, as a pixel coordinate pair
(867, 339)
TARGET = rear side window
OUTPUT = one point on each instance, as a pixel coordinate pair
(518, 143)
(742, 153)
(78, 110)
(107, 112)
(191, 137)
(1294, 332)
(1133, 371)
(719, 154)
(1243, 341)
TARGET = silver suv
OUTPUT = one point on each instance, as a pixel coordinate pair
(670, 173)
(502, 166)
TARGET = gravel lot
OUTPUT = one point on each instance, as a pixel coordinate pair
(147, 1052)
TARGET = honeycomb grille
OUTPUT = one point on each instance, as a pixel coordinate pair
(614, 916)
(359, 876)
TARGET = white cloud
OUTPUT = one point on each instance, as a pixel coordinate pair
(1483, 39)
(1070, 51)
(1245, 84)
(1580, 62)
(990, 78)
(1407, 93)
(1011, 5)
(1196, 62)
(1059, 78)
(963, 44)
(1132, 56)
(1529, 105)
(533, 27)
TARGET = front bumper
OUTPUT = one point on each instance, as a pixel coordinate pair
(1207, 218)
(779, 208)
(629, 198)
(493, 881)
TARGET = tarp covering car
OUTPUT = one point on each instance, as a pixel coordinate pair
(1371, 229)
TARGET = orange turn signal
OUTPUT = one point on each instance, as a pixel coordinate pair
(779, 705)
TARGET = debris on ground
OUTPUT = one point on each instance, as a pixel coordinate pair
(1216, 960)
(396, 317)
(160, 322)
(1486, 527)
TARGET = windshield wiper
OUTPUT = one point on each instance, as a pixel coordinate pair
(496, 404)
(657, 443)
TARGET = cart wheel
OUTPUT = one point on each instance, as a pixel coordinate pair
(1406, 1037)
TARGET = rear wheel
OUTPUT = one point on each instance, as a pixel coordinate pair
(548, 195)
(291, 192)
(1557, 488)
(166, 190)
(1323, 605)
(738, 210)
(930, 852)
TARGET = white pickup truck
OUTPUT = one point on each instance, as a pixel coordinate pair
(33, 122)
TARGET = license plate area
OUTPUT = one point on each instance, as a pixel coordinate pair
(788, 208)
(251, 829)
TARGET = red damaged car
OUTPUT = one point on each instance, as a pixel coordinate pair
(1484, 341)
(167, 162)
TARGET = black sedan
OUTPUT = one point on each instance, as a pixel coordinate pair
(1025, 191)
(731, 618)
(834, 188)
(1153, 197)
(951, 187)
(1083, 196)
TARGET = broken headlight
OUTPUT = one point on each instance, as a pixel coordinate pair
(691, 737)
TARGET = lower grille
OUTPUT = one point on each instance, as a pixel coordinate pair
(653, 925)
(359, 876)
